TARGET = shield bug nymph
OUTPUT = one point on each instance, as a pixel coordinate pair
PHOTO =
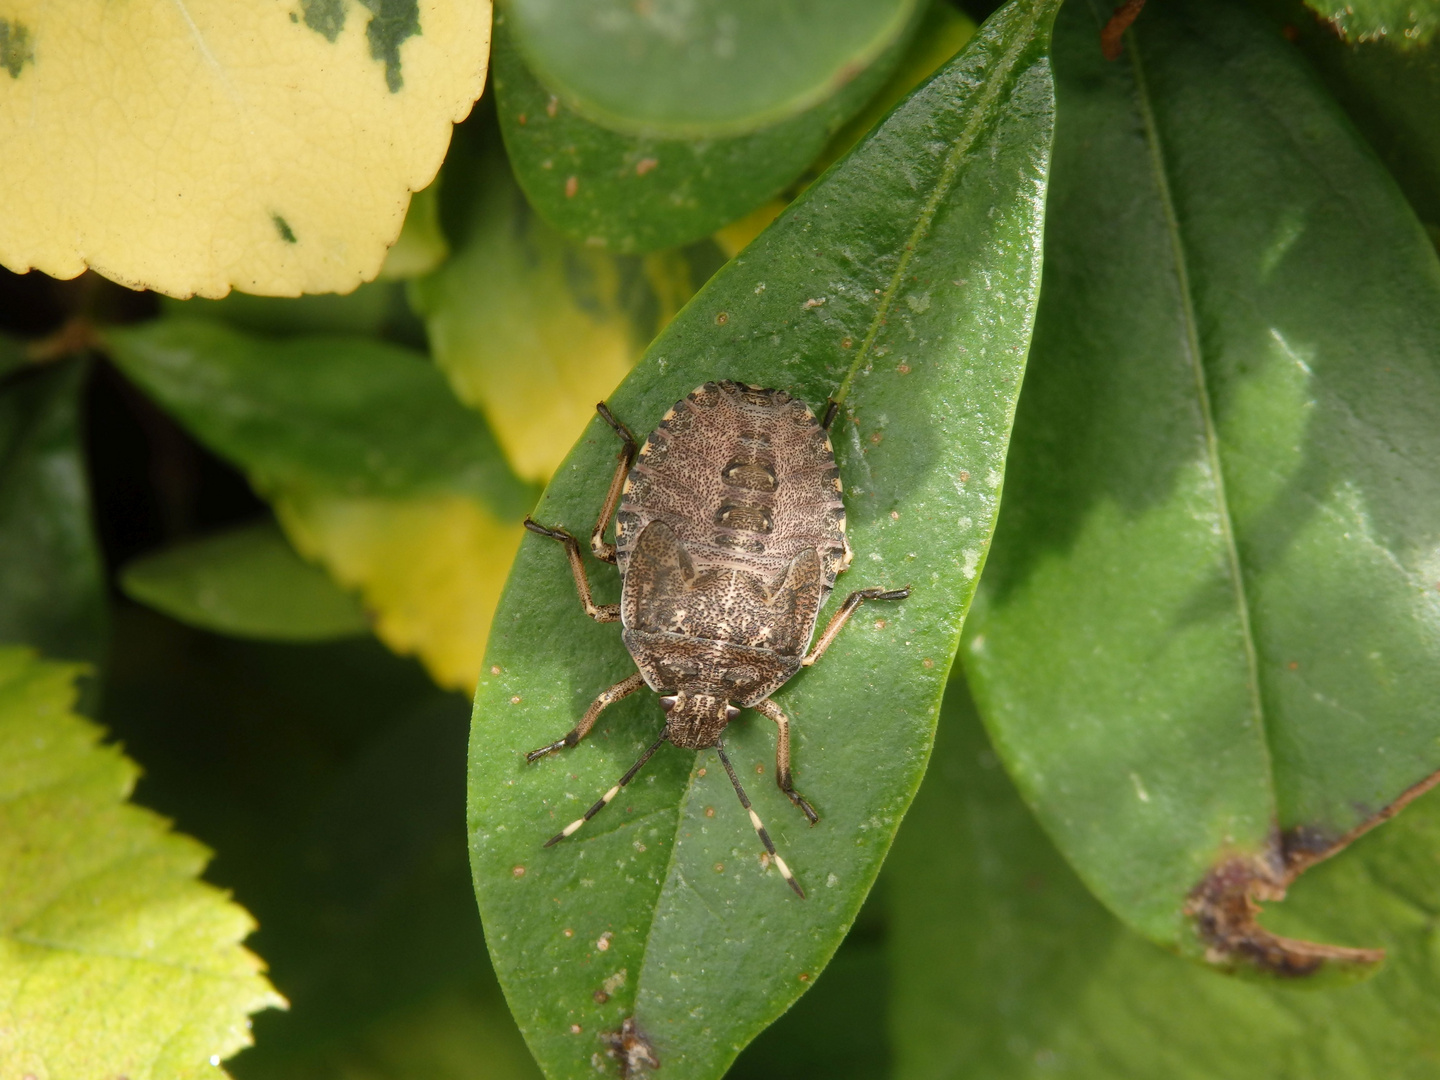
(729, 537)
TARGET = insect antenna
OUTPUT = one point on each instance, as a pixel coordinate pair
(605, 799)
(759, 826)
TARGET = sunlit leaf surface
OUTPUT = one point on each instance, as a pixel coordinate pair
(114, 959)
(194, 147)
(1208, 640)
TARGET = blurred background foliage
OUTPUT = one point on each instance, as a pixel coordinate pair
(284, 632)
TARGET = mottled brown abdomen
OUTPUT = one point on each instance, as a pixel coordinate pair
(745, 477)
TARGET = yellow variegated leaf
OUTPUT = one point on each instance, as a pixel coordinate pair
(191, 146)
(533, 330)
(421, 246)
(430, 569)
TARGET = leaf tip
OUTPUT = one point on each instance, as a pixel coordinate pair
(1224, 908)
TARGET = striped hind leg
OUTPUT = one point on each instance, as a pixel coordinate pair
(570, 829)
(759, 826)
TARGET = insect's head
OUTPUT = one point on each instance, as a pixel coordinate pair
(696, 719)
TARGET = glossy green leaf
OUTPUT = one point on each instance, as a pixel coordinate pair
(1391, 95)
(1399, 22)
(101, 915)
(1004, 966)
(1208, 641)
(701, 69)
(248, 582)
(333, 414)
(52, 591)
(634, 193)
(530, 328)
(908, 293)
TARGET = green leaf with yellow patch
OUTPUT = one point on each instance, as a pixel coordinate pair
(375, 470)
(530, 328)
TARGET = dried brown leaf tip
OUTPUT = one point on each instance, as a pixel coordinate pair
(1225, 907)
(632, 1049)
(1114, 30)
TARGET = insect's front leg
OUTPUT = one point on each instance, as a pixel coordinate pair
(840, 618)
(622, 689)
(598, 612)
(783, 779)
(603, 550)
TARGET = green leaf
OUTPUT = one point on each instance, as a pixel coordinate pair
(52, 592)
(101, 915)
(331, 776)
(1004, 966)
(1208, 642)
(332, 414)
(1392, 96)
(531, 329)
(248, 582)
(703, 69)
(634, 193)
(374, 468)
(1401, 22)
(369, 310)
(908, 293)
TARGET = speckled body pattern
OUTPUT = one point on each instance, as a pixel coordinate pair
(730, 534)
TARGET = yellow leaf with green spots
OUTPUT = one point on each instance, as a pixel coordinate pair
(192, 146)
(114, 959)
(532, 329)
(430, 569)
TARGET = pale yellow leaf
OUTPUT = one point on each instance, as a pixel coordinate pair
(533, 330)
(192, 146)
(422, 245)
(430, 569)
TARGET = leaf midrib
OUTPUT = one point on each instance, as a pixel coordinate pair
(1195, 355)
(948, 171)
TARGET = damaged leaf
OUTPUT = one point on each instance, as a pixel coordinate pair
(908, 294)
(1001, 959)
(1207, 645)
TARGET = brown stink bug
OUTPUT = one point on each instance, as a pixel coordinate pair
(730, 534)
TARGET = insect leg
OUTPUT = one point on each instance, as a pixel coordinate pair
(605, 799)
(782, 758)
(759, 826)
(606, 551)
(598, 612)
(840, 618)
(622, 689)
